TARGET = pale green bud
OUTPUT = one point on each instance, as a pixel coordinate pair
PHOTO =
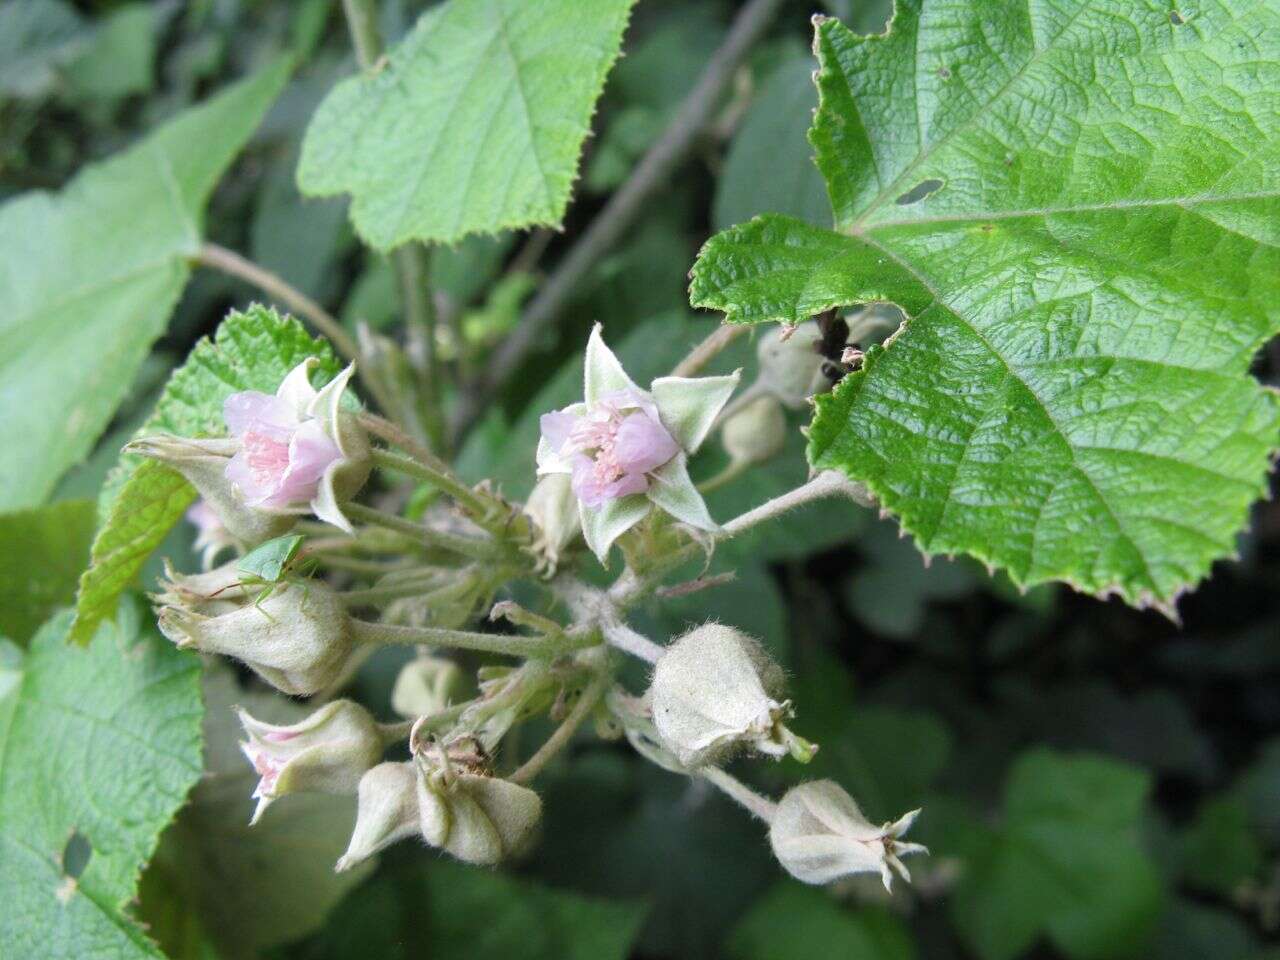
(426, 685)
(790, 365)
(213, 591)
(297, 638)
(756, 432)
(818, 834)
(478, 819)
(553, 508)
(328, 752)
(711, 694)
(386, 811)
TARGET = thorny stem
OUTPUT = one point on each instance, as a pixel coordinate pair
(755, 803)
(509, 644)
(564, 733)
(651, 174)
(472, 547)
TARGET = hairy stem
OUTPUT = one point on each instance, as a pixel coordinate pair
(826, 484)
(706, 351)
(472, 547)
(411, 266)
(516, 646)
(618, 634)
(755, 803)
(437, 476)
(625, 206)
(564, 733)
(230, 262)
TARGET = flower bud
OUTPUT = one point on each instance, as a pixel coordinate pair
(204, 464)
(328, 752)
(215, 591)
(211, 536)
(711, 694)
(426, 685)
(790, 364)
(297, 638)
(476, 818)
(386, 811)
(818, 834)
(756, 432)
(481, 820)
(553, 507)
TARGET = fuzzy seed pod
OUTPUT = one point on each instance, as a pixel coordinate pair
(818, 834)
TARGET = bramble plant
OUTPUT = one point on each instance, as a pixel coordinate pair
(1025, 334)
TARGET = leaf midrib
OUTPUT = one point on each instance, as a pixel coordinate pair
(1186, 203)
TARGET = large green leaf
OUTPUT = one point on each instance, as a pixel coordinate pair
(1077, 205)
(473, 124)
(1066, 863)
(144, 499)
(98, 748)
(42, 553)
(89, 275)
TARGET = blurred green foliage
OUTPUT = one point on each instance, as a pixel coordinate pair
(1096, 782)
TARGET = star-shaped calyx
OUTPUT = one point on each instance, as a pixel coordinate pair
(627, 450)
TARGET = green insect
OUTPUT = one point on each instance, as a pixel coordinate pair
(269, 565)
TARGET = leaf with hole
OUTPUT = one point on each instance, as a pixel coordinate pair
(1078, 206)
(98, 748)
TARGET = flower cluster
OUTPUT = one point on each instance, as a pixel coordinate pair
(616, 462)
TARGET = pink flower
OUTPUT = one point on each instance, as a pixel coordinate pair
(282, 455)
(611, 446)
(625, 450)
(292, 453)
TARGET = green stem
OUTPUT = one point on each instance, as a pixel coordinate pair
(409, 260)
(411, 264)
(472, 547)
(564, 733)
(730, 473)
(362, 21)
(515, 646)
(476, 507)
(373, 596)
